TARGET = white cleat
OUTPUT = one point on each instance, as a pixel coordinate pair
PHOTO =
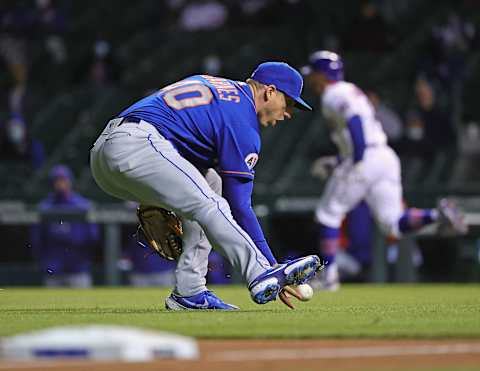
(451, 220)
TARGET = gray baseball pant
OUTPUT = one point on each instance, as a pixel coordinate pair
(132, 161)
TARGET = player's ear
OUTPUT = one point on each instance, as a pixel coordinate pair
(270, 92)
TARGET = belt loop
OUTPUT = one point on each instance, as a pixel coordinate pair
(116, 122)
(130, 120)
(122, 120)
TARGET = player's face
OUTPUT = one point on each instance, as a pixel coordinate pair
(277, 107)
(317, 82)
(62, 185)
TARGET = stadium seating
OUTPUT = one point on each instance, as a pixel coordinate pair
(67, 119)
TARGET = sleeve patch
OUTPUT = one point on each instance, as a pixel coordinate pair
(251, 160)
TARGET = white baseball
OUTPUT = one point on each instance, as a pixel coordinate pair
(306, 291)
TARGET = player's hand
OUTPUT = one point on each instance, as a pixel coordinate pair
(323, 167)
(287, 293)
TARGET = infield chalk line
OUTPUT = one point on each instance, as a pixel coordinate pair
(335, 353)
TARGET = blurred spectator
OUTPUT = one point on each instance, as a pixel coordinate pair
(390, 120)
(368, 32)
(429, 130)
(99, 67)
(250, 8)
(285, 13)
(212, 65)
(64, 249)
(16, 27)
(20, 24)
(200, 15)
(398, 11)
(50, 26)
(16, 143)
(449, 44)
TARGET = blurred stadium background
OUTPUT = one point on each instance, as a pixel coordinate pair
(68, 66)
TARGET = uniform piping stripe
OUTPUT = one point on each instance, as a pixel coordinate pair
(210, 198)
(237, 172)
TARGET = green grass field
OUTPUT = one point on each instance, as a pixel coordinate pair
(390, 311)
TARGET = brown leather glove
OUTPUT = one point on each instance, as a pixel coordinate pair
(162, 229)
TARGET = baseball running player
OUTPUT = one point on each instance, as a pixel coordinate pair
(366, 167)
(156, 152)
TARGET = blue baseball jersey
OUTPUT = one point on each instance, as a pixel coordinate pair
(66, 247)
(211, 121)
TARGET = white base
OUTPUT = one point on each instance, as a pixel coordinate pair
(98, 343)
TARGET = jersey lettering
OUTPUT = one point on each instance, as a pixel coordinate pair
(225, 89)
(187, 94)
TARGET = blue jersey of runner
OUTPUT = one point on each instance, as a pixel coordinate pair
(210, 120)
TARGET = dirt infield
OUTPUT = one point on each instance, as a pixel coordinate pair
(296, 355)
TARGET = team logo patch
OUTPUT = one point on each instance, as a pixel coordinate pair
(251, 160)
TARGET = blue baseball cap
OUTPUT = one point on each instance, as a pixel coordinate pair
(286, 79)
(326, 62)
(60, 171)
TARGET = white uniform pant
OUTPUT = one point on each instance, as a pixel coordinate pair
(376, 179)
(134, 162)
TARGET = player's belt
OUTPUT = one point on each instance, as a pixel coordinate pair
(129, 120)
